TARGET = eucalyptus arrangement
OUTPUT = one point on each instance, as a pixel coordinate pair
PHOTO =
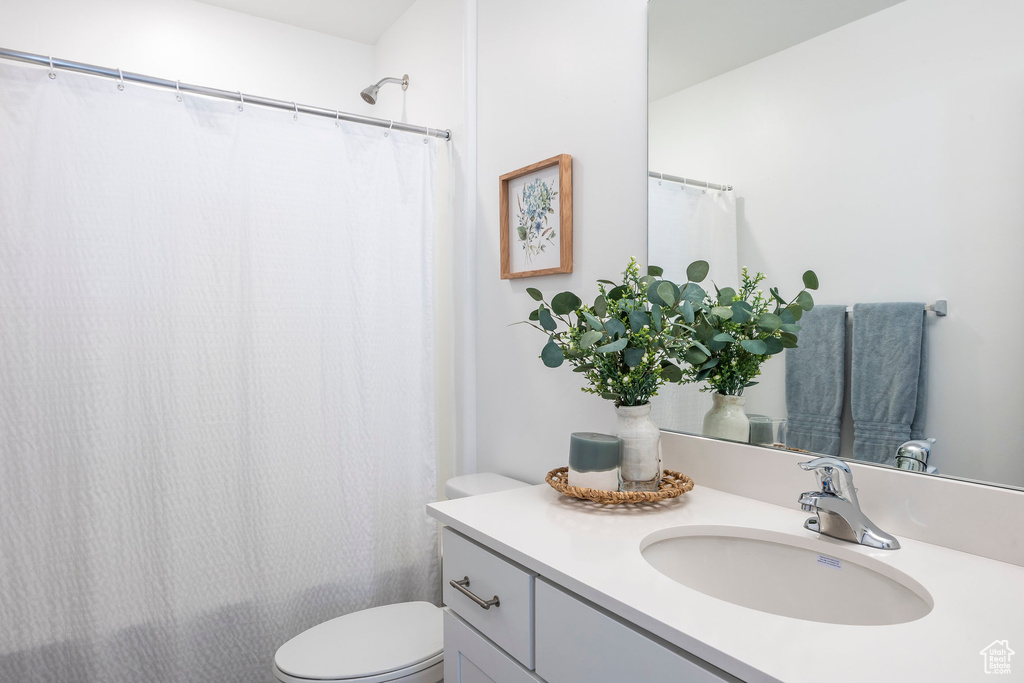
(734, 332)
(627, 343)
(646, 331)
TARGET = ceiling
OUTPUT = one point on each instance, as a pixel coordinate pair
(360, 20)
(694, 40)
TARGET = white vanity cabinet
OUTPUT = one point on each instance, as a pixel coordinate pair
(539, 632)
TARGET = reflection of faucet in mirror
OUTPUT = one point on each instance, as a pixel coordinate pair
(913, 455)
(838, 510)
(846, 154)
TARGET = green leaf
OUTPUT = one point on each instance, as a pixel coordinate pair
(552, 355)
(788, 340)
(740, 313)
(704, 374)
(705, 332)
(565, 303)
(773, 345)
(614, 328)
(769, 322)
(726, 295)
(694, 293)
(686, 309)
(591, 338)
(697, 271)
(583, 368)
(671, 372)
(694, 356)
(702, 347)
(810, 280)
(710, 364)
(637, 320)
(535, 293)
(655, 271)
(804, 300)
(592, 321)
(607, 282)
(616, 345)
(667, 292)
(601, 306)
(647, 280)
(723, 312)
(610, 396)
(796, 311)
(792, 329)
(617, 293)
(656, 317)
(786, 316)
(546, 321)
(777, 296)
(723, 337)
(535, 315)
(717, 345)
(755, 346)
(632, 357)
(749, 384)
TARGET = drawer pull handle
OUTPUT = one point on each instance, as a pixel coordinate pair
(463, 587)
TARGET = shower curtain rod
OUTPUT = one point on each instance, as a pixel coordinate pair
(690, 181)
(239, 97)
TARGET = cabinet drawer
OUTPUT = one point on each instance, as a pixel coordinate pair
(510, 622)
(471, 658)
(577, 642)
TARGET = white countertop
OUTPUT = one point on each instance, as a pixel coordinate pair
(594, 551)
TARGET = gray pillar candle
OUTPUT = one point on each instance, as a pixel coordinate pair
(594, 461)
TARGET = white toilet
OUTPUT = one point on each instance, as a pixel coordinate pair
(400, 643)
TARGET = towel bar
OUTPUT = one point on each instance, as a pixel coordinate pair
(939, 308)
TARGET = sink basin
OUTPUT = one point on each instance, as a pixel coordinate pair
(787, 575)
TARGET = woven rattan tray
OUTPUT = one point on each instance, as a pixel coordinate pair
(672, 485)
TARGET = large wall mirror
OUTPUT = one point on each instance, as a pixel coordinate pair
(879, 143)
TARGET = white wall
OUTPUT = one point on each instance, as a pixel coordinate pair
(886, 155)
(196, 43)
(554, 77)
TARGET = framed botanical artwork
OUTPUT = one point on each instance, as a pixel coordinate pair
(536, 219)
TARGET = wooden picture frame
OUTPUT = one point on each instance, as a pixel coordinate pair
(536, 219)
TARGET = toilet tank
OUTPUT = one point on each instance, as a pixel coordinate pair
(476, 484)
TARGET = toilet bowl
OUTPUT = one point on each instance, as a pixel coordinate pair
(399, 643)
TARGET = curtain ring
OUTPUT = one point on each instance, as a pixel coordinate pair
(337, 118)
(177, 88)
(241, 101)
(427, 138)
(392, 123)
(52, 74)
(295, 116)
(120, 77)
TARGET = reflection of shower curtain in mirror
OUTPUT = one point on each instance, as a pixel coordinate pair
(685, 224)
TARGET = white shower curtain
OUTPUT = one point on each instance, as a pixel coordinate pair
(216, 379)
(686, 224)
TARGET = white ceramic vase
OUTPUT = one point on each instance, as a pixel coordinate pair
(640, 449)
(726, 419)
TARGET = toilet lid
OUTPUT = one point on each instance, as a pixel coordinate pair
(365, 643)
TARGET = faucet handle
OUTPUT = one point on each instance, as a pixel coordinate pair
(834, 476)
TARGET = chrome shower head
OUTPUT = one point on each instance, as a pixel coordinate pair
(369, 93)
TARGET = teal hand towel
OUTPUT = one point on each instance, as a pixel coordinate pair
(815, 382)
(887, 378)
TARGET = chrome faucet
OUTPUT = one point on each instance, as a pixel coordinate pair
(837, 509)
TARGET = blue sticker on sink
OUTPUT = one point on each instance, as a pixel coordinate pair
(830, 562)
